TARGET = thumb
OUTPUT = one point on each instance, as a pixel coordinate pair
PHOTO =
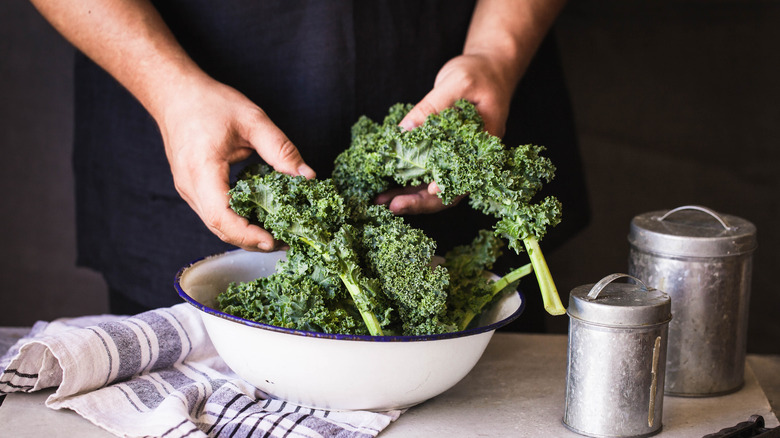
(432, 103)
(277, 150)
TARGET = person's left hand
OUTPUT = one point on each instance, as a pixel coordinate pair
(415, 199)
(475, 78)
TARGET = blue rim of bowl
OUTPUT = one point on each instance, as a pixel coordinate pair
(337, 336)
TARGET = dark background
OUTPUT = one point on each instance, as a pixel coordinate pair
(677, 102)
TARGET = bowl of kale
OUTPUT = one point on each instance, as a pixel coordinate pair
(359, 313)
(329, 370)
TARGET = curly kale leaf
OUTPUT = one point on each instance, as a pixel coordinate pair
(361, 251)
(452, 149)
(449, 148)
(362, 171)
(309, 215)
(401, 258)
(293, 209)
(351, 260)
(472, 291)
(300, 295)
(508, 190)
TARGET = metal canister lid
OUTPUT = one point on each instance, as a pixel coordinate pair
(620, 304)
(692, 231)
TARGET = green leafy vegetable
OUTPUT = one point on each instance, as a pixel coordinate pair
(355, 268)
(453, 149)
(382, 263)
(300, 295)
(401, 258)
(310, 216)
(471, 290)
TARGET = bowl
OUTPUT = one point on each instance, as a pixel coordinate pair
(332, 371)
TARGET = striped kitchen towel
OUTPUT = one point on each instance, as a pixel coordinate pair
(157, 374)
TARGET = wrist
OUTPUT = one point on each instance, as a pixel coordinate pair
(505, 70)
(507, 33)
(169, 87)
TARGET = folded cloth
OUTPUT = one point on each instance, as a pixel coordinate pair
(157, 374)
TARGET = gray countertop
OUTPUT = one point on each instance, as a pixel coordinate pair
(517, 389)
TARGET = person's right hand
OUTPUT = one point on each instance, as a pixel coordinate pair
(205, 125)
(209, 126)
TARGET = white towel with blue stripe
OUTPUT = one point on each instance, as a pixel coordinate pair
(156, 374)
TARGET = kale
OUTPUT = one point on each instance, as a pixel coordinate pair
(452, 149)
(309, 215)
(353, 267)
(383, 264)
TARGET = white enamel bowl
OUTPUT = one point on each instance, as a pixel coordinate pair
(338, 372)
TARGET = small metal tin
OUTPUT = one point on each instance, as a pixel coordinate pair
(703, 260)
(616, 358)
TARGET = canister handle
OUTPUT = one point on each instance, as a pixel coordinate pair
(699, 208)
(598, 287)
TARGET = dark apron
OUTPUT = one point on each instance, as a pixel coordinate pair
(314, 67)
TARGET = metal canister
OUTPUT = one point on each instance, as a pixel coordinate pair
(616, 358)
(703, 260)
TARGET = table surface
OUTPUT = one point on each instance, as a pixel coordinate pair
(517, 389)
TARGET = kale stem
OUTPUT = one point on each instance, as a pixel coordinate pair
(497, 287)
(355, 291)
(552, 302)
(511, 277)
(374, 328)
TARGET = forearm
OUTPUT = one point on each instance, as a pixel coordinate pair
(508, 32)
(128, 39)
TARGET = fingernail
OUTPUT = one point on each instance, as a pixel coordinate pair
(265, 246)
(396, 209)
(406, 125)
(306, 171)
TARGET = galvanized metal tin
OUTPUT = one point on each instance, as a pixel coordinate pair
(616, 358)
(703, 260)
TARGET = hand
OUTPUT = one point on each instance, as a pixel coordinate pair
(205, 125)
(208, 127)
(472, 77)
(502, 39)
(475, 78)
(414, 199)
